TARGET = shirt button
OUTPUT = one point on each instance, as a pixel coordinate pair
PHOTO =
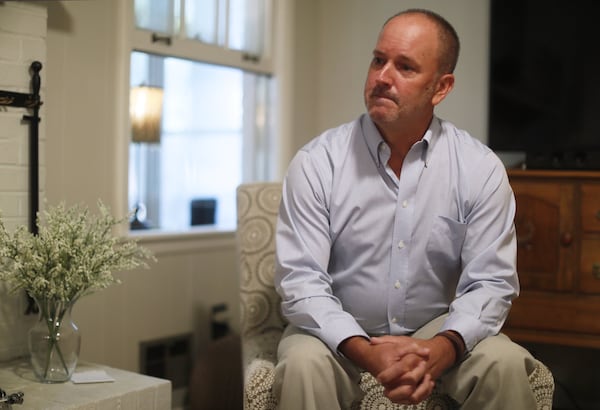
(401, 244)
(397, 284)
(404, 203)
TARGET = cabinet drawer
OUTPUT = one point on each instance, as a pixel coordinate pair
(572, 314)
(589, 268)
(590, 207)
(545, 226)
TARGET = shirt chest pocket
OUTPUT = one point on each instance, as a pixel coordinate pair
(445, 244)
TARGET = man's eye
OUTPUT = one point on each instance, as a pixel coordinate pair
(378, 61)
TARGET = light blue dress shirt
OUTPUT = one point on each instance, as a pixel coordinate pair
(362, 252)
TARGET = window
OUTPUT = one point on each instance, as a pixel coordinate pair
(232, 24)
(211, 61)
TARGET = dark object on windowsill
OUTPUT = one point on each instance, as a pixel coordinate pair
(138, 222)
(203, 211)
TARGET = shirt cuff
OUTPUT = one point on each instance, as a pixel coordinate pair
(471, 330)
(338, 332)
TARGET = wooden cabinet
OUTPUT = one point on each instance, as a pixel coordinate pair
(558, 257)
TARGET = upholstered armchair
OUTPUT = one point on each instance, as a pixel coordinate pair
(263, 324)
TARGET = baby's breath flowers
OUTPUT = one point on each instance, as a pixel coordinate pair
(73, 254)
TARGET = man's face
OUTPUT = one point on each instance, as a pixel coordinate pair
(402, 82)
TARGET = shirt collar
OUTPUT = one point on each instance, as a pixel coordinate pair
(374, 139)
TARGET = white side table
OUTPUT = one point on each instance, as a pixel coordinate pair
(129, 391)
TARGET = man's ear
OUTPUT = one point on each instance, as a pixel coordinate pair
(444, 85)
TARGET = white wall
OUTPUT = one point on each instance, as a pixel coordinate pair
(296, 61)
(81, 78)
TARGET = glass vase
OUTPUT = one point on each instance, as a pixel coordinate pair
(54, 342)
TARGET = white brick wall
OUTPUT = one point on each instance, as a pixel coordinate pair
(23, 28)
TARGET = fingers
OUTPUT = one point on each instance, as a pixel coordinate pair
(402, 348)
(376, 340)
(407, 381)
(409, 395)
(405, 375)
(411, 388)
(424, 390)
(409, 371)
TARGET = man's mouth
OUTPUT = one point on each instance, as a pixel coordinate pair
(379, 93)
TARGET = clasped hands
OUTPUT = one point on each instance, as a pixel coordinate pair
(406, 367)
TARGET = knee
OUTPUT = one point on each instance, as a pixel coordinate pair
(300, 358)
(307, 356)
(502, 356)
(495, 375)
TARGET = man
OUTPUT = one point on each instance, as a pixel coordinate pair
(396, 248)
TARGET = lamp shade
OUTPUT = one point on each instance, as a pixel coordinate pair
(145, 112)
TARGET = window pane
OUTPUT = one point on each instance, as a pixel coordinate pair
(202, 97)
(155, 15)
(140, 76)
(233, 24)
(201, 20)
(205, 130)
(247, 25)
(203, 137)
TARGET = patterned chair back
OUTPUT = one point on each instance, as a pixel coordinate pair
(262, 322)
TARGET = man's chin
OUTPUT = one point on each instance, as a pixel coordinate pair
(382, 115)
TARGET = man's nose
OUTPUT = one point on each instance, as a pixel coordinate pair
(383, 75)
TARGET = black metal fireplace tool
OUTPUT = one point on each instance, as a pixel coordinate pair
(32, 102)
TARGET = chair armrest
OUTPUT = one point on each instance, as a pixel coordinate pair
(260, 346)
(258, 385)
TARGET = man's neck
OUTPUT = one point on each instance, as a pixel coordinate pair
(400, 139)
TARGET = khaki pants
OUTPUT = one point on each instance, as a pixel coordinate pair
(494, 375)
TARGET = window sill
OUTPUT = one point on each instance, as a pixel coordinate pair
(196, 238)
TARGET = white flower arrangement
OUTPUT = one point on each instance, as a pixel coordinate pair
(72, 255)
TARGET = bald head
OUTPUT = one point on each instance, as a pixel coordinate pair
(449, 44)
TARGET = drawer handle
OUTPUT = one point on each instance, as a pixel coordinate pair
(566, 239)
(525, 232)
(596, 270)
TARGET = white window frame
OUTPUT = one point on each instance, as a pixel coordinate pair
(129, 38)
(191, 49)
